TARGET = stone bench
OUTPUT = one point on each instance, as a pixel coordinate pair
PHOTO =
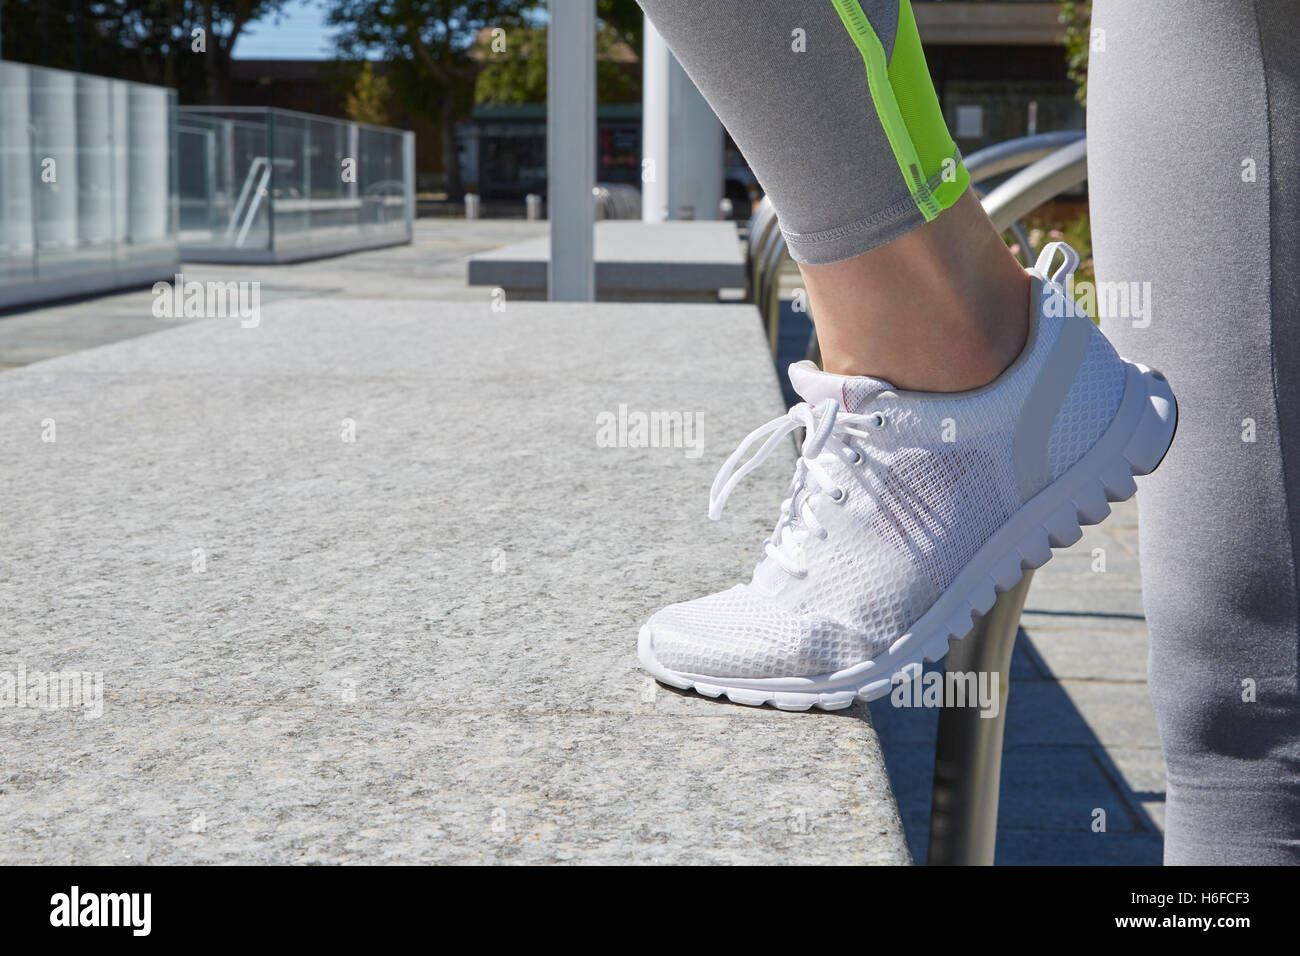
(362, 585)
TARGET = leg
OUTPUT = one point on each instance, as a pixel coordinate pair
(1175, 117)
(1006, 419)
(907, 278)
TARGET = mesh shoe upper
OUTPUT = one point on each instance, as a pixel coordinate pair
(881, 521)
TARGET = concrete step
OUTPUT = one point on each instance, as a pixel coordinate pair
(635, 261)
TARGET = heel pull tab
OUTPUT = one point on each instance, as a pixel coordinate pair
(1061, 275)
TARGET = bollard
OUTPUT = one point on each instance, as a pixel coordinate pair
(968, 747)
(532, 207)
(471, 205)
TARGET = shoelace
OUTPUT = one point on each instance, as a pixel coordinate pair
(827, 428)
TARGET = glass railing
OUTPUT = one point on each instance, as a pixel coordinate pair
(259, 184)
(87, 183)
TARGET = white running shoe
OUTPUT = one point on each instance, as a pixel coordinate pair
(909, 511)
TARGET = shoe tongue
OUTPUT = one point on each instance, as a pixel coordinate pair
(853, 392)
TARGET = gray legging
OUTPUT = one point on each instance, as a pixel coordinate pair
(1181, 110)
(1183, 107)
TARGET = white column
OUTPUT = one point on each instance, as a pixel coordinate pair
(94, 159)
(681, 140)
(119, 99)
(571, 149)
(54, 114)
(148, 155)
(354, 153)
(17, 236)
(408, 179)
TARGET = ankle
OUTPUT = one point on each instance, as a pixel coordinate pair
(949, 339)
(942, 309)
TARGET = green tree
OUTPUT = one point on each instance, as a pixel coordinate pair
(517, 74)
(224, 21)
(1077, 19)
(128, 39)
(366, 102)
(152, 41)
(624, 19)
(427, 45)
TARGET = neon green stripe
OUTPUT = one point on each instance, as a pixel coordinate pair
(947, 193)
(919, 106)
(928, 120)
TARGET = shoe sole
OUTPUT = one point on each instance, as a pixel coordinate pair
(1135, 443)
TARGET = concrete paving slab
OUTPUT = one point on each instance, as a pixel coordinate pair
(363, 584)
(1050, 790)
(1143, 772)
(1062, 789)
(431, 267)
(663, 261)
(1082, 713)
(1090, 649)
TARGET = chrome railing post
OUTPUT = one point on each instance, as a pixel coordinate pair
(968, 746)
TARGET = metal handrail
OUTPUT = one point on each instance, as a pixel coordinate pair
(1014, 154)
(968, 746)
(1037, 183)
(773, 257)
(1000, 158)
(616, 201)
(254, 168)
(761, 227)
(760, 222)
